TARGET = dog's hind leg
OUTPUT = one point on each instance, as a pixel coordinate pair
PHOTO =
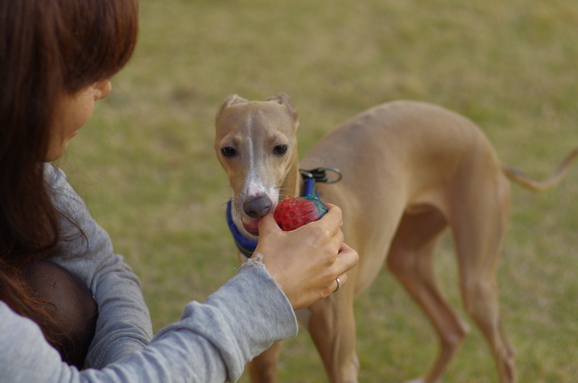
(479, 220)
(410, 259)
(263, 368)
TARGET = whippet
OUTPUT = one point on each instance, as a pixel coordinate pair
(410, 170)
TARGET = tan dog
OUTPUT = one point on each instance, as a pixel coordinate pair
(410, 170)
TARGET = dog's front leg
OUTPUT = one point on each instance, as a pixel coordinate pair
(332, 328)
(263, 368)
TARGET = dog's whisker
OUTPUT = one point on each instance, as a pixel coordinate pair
(284, 192)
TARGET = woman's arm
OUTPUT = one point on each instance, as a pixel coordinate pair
(211, 343)
(123, 324)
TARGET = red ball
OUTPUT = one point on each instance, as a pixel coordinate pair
(292, 213)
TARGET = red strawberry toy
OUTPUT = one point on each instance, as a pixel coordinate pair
(292, 213)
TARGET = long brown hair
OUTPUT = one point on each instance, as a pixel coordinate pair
(47, 47)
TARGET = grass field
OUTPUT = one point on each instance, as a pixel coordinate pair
(146, 167)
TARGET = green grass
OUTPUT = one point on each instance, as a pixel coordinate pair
(146, 167)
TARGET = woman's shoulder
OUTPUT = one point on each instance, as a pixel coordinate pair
(52, 174)
(66, 200)
(63, 194)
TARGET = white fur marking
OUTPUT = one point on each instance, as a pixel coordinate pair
(253, 183)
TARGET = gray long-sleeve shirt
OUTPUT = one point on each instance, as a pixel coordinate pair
(211, 343)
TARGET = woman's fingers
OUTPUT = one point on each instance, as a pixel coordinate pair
(346, 259)
(333, 219)
(307, 261)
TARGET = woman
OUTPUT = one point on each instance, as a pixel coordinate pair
(64, 295)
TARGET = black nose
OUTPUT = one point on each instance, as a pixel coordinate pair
(257, 207)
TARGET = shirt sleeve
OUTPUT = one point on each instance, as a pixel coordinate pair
(123, 324)
(211, 343)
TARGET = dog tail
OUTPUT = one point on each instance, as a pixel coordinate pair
(519, 177)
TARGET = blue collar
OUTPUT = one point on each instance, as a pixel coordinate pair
(245, 246)
(310, 178)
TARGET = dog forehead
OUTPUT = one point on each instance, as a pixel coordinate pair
(255, 115)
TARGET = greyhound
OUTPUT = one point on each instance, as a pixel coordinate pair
(410, 170)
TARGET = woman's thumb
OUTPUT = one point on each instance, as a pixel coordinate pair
(267, 223)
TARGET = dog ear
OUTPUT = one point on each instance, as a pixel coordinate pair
(285, 100)
(231, 100)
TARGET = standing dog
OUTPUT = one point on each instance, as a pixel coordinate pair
(410, 170)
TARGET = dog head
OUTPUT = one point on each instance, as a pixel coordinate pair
(256, 144)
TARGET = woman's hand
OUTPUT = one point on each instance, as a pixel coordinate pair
(305, 262)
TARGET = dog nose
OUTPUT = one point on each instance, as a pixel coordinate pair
(257, 207)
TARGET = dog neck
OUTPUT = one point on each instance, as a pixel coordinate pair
(293, 183)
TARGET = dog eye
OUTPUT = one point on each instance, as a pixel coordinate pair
(280, 149)
(228, 151)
